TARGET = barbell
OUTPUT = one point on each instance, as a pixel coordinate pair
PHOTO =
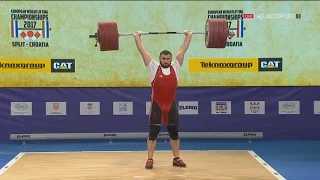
(216, 34)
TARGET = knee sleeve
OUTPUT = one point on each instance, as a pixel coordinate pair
(173, 131)
(154, 132)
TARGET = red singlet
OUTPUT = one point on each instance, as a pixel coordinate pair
(164, 90)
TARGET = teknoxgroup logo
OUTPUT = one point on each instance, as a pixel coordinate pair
(63, 65)
(22, 65)
(270, 64)
(18, 65)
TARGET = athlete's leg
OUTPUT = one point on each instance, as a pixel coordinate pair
(152, 139)
(155, 126)
(173, 130)
(174, 139)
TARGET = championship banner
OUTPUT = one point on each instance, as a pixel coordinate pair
(235, 64)
(54, 44)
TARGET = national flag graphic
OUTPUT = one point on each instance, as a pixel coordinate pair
(14, 28)
(240, 28)
(45, 29)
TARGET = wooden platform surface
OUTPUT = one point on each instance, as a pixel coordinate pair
(204, 165)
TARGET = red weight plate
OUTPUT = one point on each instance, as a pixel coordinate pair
(213, 34)
(210, 31)
(114, 36)
(102, 35)
(218, 33)
(223, 33)
(108, 35)
(208, 36)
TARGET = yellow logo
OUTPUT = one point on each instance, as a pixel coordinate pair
(63, 67)
(223, 65)
(25, 65)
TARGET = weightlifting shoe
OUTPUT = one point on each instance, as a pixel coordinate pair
(178, 162)
(149, 164)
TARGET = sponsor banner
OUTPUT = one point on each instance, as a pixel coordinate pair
(204, 121)
(136, 135)
(270, 64)
(188, 107)
(63, 65)
(33, 31)
(21, 108)
(289, 107)
(56, 108)
(20, 65)
(223, 65)
(316, 106)
(89, 108)
(122, 108)
(220, 107)
(254, 107)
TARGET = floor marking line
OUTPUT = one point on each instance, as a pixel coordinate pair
(267, 166)
(132, 151)
(11, 163)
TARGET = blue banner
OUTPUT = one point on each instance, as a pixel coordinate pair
(276, 112)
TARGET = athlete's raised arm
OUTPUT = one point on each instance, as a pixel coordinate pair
(145, 55)
(184, 47)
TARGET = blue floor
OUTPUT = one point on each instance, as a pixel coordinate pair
(295, 160)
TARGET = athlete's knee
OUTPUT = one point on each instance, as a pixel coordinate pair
(173, 131)
(154, 131)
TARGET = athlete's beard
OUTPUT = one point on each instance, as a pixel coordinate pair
(164, 66)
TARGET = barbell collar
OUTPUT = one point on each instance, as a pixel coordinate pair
(93, 36)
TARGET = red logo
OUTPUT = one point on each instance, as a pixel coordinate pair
(89, 106)
(55, 106)
(254, 107)
(248, 16)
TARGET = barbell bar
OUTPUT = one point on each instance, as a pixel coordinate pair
(147, 33)
(216, 34)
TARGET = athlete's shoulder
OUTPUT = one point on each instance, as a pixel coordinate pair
(175, 63)
(153, 63)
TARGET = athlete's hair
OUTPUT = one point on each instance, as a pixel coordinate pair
(165, 52)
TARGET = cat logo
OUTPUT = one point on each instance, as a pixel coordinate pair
(270, 64)
(62, 65)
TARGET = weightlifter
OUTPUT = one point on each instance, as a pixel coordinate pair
(164, 81)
